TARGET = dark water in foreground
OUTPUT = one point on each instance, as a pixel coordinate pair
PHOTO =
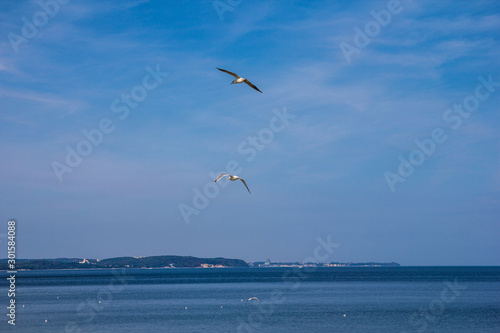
(399, 299)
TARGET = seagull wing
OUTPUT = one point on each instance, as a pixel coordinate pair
(252, 299)
(220, 176)
(251, 85)
(245, 185)
(228, 72)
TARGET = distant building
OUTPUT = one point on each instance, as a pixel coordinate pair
(211, 266)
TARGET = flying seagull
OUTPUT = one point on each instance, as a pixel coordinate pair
(252, 299)
(239, 79)
(233, 178)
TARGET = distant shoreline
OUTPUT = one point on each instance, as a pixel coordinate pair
(251, 267)
(167, 261)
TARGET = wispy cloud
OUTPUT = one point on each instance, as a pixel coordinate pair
(43, 101)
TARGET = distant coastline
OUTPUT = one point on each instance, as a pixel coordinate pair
(329, 264)
(167, 261)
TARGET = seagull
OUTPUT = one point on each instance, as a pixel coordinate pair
(239, 79)
(233, 178)
(252, 299)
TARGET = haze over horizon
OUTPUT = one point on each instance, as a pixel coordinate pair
(377, 127)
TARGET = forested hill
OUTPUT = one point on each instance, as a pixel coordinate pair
(123, 262)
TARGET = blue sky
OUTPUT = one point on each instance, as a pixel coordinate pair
(331, 167)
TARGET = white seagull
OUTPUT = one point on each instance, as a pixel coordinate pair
(239, 79)
(252, 299)
(233, 178)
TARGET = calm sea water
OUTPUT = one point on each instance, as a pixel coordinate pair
(398, 299)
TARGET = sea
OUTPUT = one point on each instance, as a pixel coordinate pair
(309, 299)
